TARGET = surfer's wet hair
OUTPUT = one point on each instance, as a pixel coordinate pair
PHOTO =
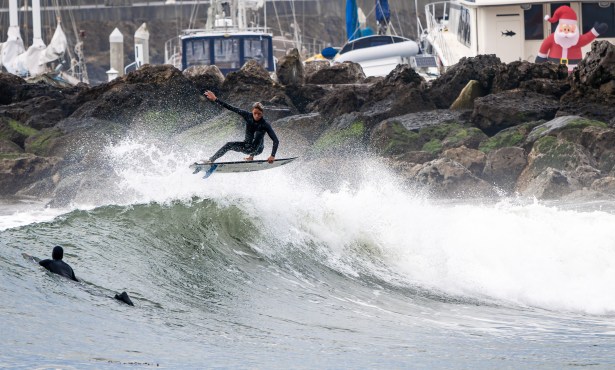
(258, 106)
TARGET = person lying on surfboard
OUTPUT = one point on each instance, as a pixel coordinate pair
(256, 127)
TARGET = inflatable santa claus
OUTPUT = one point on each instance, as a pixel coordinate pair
(564, 45)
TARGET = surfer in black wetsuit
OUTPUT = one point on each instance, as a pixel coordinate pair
(256, 127)
(57, 266)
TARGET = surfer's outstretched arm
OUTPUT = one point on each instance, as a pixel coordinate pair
(212, 97)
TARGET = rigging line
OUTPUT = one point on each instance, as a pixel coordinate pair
(401, 28)
(296, 36)
(277, 17)
(193, 15)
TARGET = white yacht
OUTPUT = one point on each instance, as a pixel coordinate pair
(510, 29)
(378, 54)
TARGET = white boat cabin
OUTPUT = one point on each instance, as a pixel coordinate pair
(228, 51)
(510, 29)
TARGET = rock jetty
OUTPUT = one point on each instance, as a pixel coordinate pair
(482, 129)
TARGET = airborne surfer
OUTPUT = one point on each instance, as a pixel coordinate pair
(256, 127)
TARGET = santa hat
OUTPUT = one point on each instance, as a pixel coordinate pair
(564, 14)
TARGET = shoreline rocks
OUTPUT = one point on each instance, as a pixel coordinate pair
(522, 128)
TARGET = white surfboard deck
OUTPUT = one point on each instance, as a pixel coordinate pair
(238, 166)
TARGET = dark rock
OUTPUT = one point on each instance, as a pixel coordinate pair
(341, 73)
(205, 78)
(312, 67)
(290, 69)
(310, 126)
(446, 88)
(9, 85)
(496, 112)
(550, 184)
(503, 166)
(15, 131)
(604, 185)
(513, 75)
(448, 178)
(513, 136)
(586, 175)
(342, 100)
(556, 154)
(415, 157)
(302, 96)
(21, 171)
(545, 86)
(9, 147)
(472, 159)
(593, 85)
(402, 91)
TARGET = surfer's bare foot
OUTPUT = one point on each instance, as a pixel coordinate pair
(250, 158)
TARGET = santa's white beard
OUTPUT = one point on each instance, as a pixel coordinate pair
(567, 40)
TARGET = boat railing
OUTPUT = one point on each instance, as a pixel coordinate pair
(436, 26)
(173, 52)
(224, 30)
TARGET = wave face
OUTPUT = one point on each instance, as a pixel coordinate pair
(294, 268)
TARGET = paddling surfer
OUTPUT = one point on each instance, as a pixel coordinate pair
(57, 266)
(256, 127)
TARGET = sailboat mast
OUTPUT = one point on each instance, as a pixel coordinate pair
(13, 18)
(37, 39)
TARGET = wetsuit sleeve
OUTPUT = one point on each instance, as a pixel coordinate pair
(274, 138)
(243, 113)
(45, 263)
(72, 274)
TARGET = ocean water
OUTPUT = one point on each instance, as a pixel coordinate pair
(310, 265)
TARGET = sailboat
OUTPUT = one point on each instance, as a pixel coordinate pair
(37, 59)
(378, 54)
(228, 40)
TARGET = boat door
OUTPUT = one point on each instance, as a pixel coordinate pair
(509, 37)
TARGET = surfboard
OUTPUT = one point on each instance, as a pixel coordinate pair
(31, 258)
(238, 166)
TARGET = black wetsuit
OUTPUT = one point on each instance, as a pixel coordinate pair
(59, 267)
(255, 133)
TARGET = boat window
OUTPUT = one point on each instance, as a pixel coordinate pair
(226, 53)
(371, 41)
(554, 7)
(258, 49)
(534, 23)
(197, 52)
(463, 31)
(593, 12)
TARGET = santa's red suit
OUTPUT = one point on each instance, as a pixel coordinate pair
(560, 46)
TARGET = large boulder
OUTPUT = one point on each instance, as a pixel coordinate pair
(341, 100)
(341, 73)
(447, 178)
(550, 184)
(512, 75)
(472, 159)
(503, 166)
(496, 112)
(149, 88)
(446, 88)
(290, 70)
(17, 172)
(205, 77)
(592, 92)
(402, 91)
